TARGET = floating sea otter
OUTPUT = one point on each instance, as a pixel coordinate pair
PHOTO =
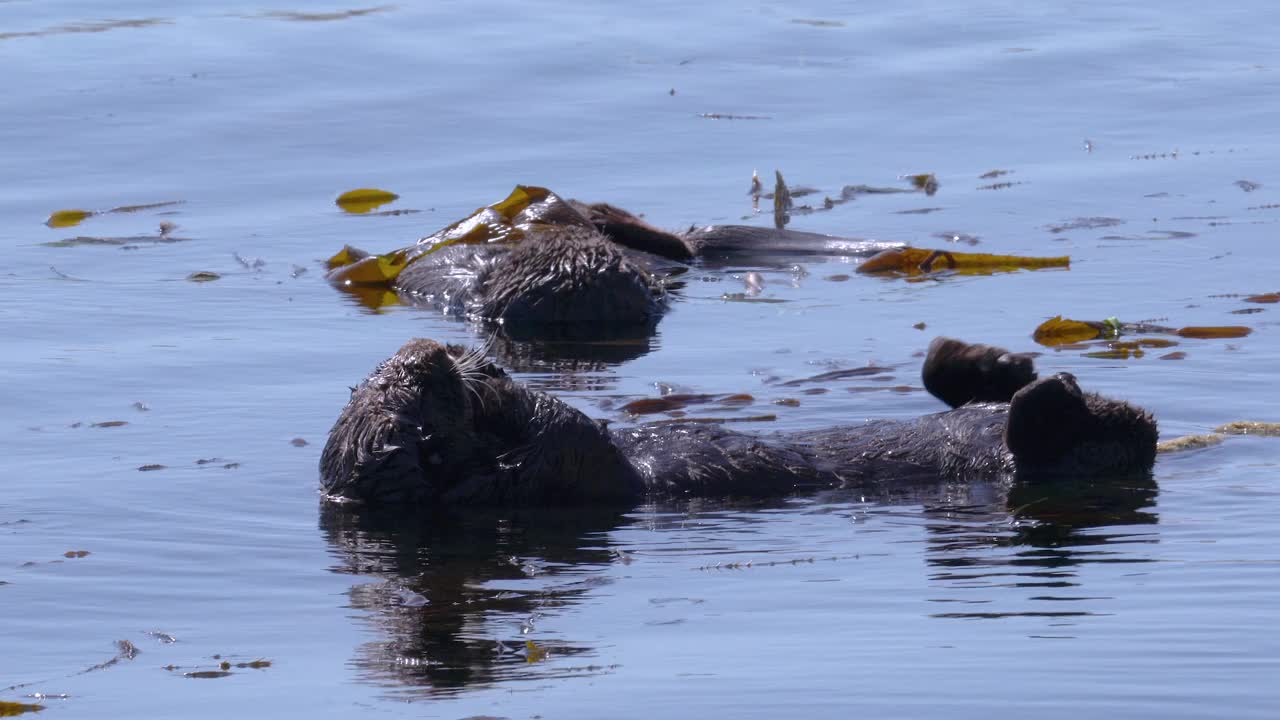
(544, 267)
(440, 426)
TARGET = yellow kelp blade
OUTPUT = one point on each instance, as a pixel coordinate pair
(533, 652)
(14, 709)
(485, 225)
(519, 200)
(371, 270)
(362, 200)
(501, 222)
(917, 261)
(928, 182)
(1058, 331)
(1218, 332)
(1062, 331)
(346, 256)
(68, 218)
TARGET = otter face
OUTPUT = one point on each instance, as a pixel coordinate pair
(1055, 429)
(569, 282)
(438, 425)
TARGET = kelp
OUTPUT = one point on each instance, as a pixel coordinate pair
(1219, 434)
(782, 202)
(924, 182)
(68, 218)
(71, 218)
(86, 27)
(164, 234)
(364, 200)
(14, 709)
(920, 261)
(324, 16)
(1216, 332)
(1189, 442)
(680, 401)
(783, 195)
(1059, 331)
(506, 221)
(1249, 427)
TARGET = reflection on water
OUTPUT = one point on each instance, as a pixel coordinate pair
(456, 602)
(1039, 541)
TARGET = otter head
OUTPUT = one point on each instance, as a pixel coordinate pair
(438, 425)
(1055, 429)
(568, 282)
(630, 231)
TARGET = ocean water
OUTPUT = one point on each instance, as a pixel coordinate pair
(1136, 138)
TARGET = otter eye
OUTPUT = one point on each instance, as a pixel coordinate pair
(435, 448)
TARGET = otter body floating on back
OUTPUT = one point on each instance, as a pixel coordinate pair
(439, 426)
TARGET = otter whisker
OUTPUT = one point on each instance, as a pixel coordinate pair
(470, 384)
(476, 356)
(470, 367)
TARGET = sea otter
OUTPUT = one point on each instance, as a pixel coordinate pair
(440, 426)
(536, 266)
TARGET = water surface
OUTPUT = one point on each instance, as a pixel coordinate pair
(1125, 129)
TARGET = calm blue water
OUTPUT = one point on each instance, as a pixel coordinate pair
(1156, 600)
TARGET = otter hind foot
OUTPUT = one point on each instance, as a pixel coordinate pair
(958, 373)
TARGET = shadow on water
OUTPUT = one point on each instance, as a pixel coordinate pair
(455, 602)
(1040, 542)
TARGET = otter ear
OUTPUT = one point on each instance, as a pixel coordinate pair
(1046, 419)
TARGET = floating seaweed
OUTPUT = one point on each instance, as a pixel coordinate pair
(1189, 442)
(1249, 427)
(14, 709)
(324, 16)
(681, 401)
(505, 221)
(71, 218)
(364, 200)
(921, 261)
(1065, 333)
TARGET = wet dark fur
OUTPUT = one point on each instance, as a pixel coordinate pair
(435, 425)
(559, 280)
(957, 372)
